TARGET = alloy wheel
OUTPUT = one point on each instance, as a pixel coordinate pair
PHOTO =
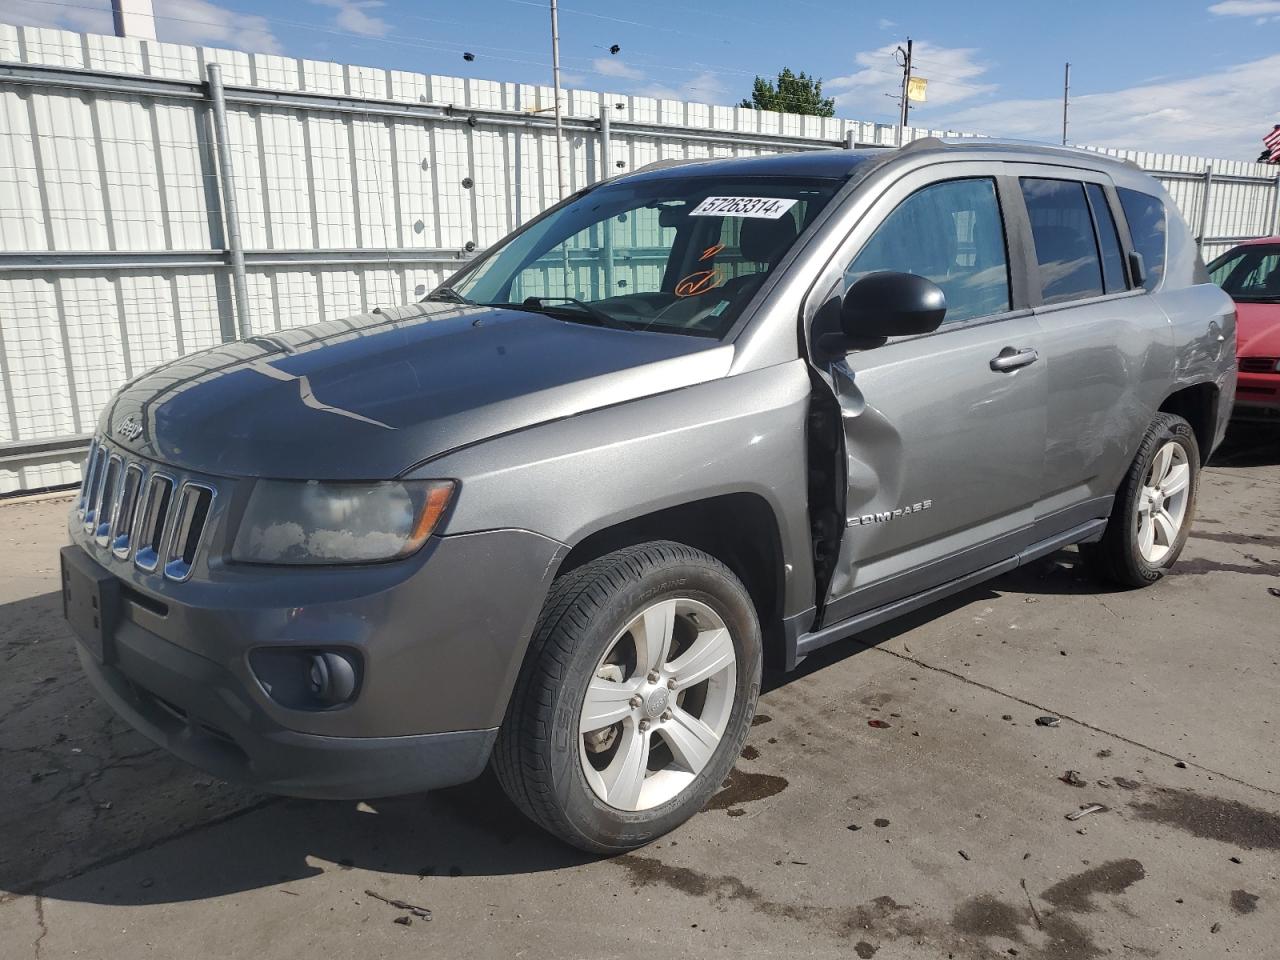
(658, 704)
(1162, 502)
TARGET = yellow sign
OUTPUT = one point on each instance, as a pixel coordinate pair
(916, 88)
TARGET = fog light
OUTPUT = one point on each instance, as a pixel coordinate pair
(307, 679)
(332, 678)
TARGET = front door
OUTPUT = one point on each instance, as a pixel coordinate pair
(944, 433)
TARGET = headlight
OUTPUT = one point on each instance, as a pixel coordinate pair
(291, 521)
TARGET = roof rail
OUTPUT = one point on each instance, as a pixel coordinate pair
(924, 143)
(933, 142)
(671, 162)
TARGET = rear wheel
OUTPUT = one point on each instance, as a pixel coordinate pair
(1154, 506)
(635, 698)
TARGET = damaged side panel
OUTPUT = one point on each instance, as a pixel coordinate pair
(942, 459)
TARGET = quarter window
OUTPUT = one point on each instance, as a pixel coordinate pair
(1108, 239)
(1063, 233)
(1148, 228)
(950, 233)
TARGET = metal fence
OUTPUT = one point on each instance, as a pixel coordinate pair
(129, 198)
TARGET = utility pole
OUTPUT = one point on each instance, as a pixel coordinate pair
(1066, 93)
(134, 18)
(555, 76)
(904, 106)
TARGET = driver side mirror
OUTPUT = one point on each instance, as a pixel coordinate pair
(890, 304)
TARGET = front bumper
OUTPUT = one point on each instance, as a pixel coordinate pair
(441, 638)
(1257, 397)
(178, 701)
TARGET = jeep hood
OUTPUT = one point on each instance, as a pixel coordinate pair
(371, 396)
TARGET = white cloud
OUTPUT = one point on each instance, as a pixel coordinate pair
(1246, 8)
(353, 16)
(200, 22)
(1220, 114)
(613, 67)
(706, 87)
(954, 75)
(82, 19)
(884, 23)
(177, 21)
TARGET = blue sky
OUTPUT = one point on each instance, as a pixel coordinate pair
(1192, 76)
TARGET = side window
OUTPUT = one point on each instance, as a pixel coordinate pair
(1147, 226)
(1063, 233)
(952, 234)
(1223, 267)
(1108, 240)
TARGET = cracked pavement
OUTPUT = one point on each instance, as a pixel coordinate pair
(941, 834)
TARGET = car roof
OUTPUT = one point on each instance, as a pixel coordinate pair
(833, 163)
(840, 163)
(1257, 241)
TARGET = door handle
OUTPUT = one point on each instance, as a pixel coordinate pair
(1011, 358)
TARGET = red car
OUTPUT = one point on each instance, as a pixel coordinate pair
(1250, 273)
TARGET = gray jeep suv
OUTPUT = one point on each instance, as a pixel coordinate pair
(554, 517)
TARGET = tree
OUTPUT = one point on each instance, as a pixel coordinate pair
(793, 93)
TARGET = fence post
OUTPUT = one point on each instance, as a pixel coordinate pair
(1274, 226)
(606, 164)
(226, 185)
(1204, 206)
(606, 151)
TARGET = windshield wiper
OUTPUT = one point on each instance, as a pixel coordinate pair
(601, 318)
(447, 295)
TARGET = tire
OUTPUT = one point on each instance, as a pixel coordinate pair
(1124, 555)
(596, 620)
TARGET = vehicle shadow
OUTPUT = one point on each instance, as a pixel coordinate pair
(80, 788)
(1248, 445)
(472, 830)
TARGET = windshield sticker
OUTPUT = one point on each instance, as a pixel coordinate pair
(755, 208)
(710, 252)
(696, 283)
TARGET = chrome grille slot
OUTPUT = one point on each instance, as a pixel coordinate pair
(92, 486)
(86, 479)
(149, 528)
(107, 502)
(186, 529)
(126, 510)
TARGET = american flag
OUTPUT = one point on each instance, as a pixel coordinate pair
(1271, 143)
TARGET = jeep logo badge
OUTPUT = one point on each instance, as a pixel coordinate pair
(130, 428)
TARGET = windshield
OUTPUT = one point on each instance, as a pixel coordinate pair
(676, 255)
(1250, 273)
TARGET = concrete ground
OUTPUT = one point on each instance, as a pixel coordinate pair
(943, 834)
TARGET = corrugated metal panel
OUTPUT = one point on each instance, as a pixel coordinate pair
(115, 172)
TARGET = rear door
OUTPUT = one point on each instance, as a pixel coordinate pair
(943, 433)
(1106, 347)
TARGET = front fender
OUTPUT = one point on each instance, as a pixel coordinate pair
(574, 477)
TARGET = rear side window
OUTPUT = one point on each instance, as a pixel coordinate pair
(1108, 240)
(1148, 227)
(951, 233)
(1063, 233)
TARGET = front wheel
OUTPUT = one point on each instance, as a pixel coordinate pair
(1154, 507)
(635, 698)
